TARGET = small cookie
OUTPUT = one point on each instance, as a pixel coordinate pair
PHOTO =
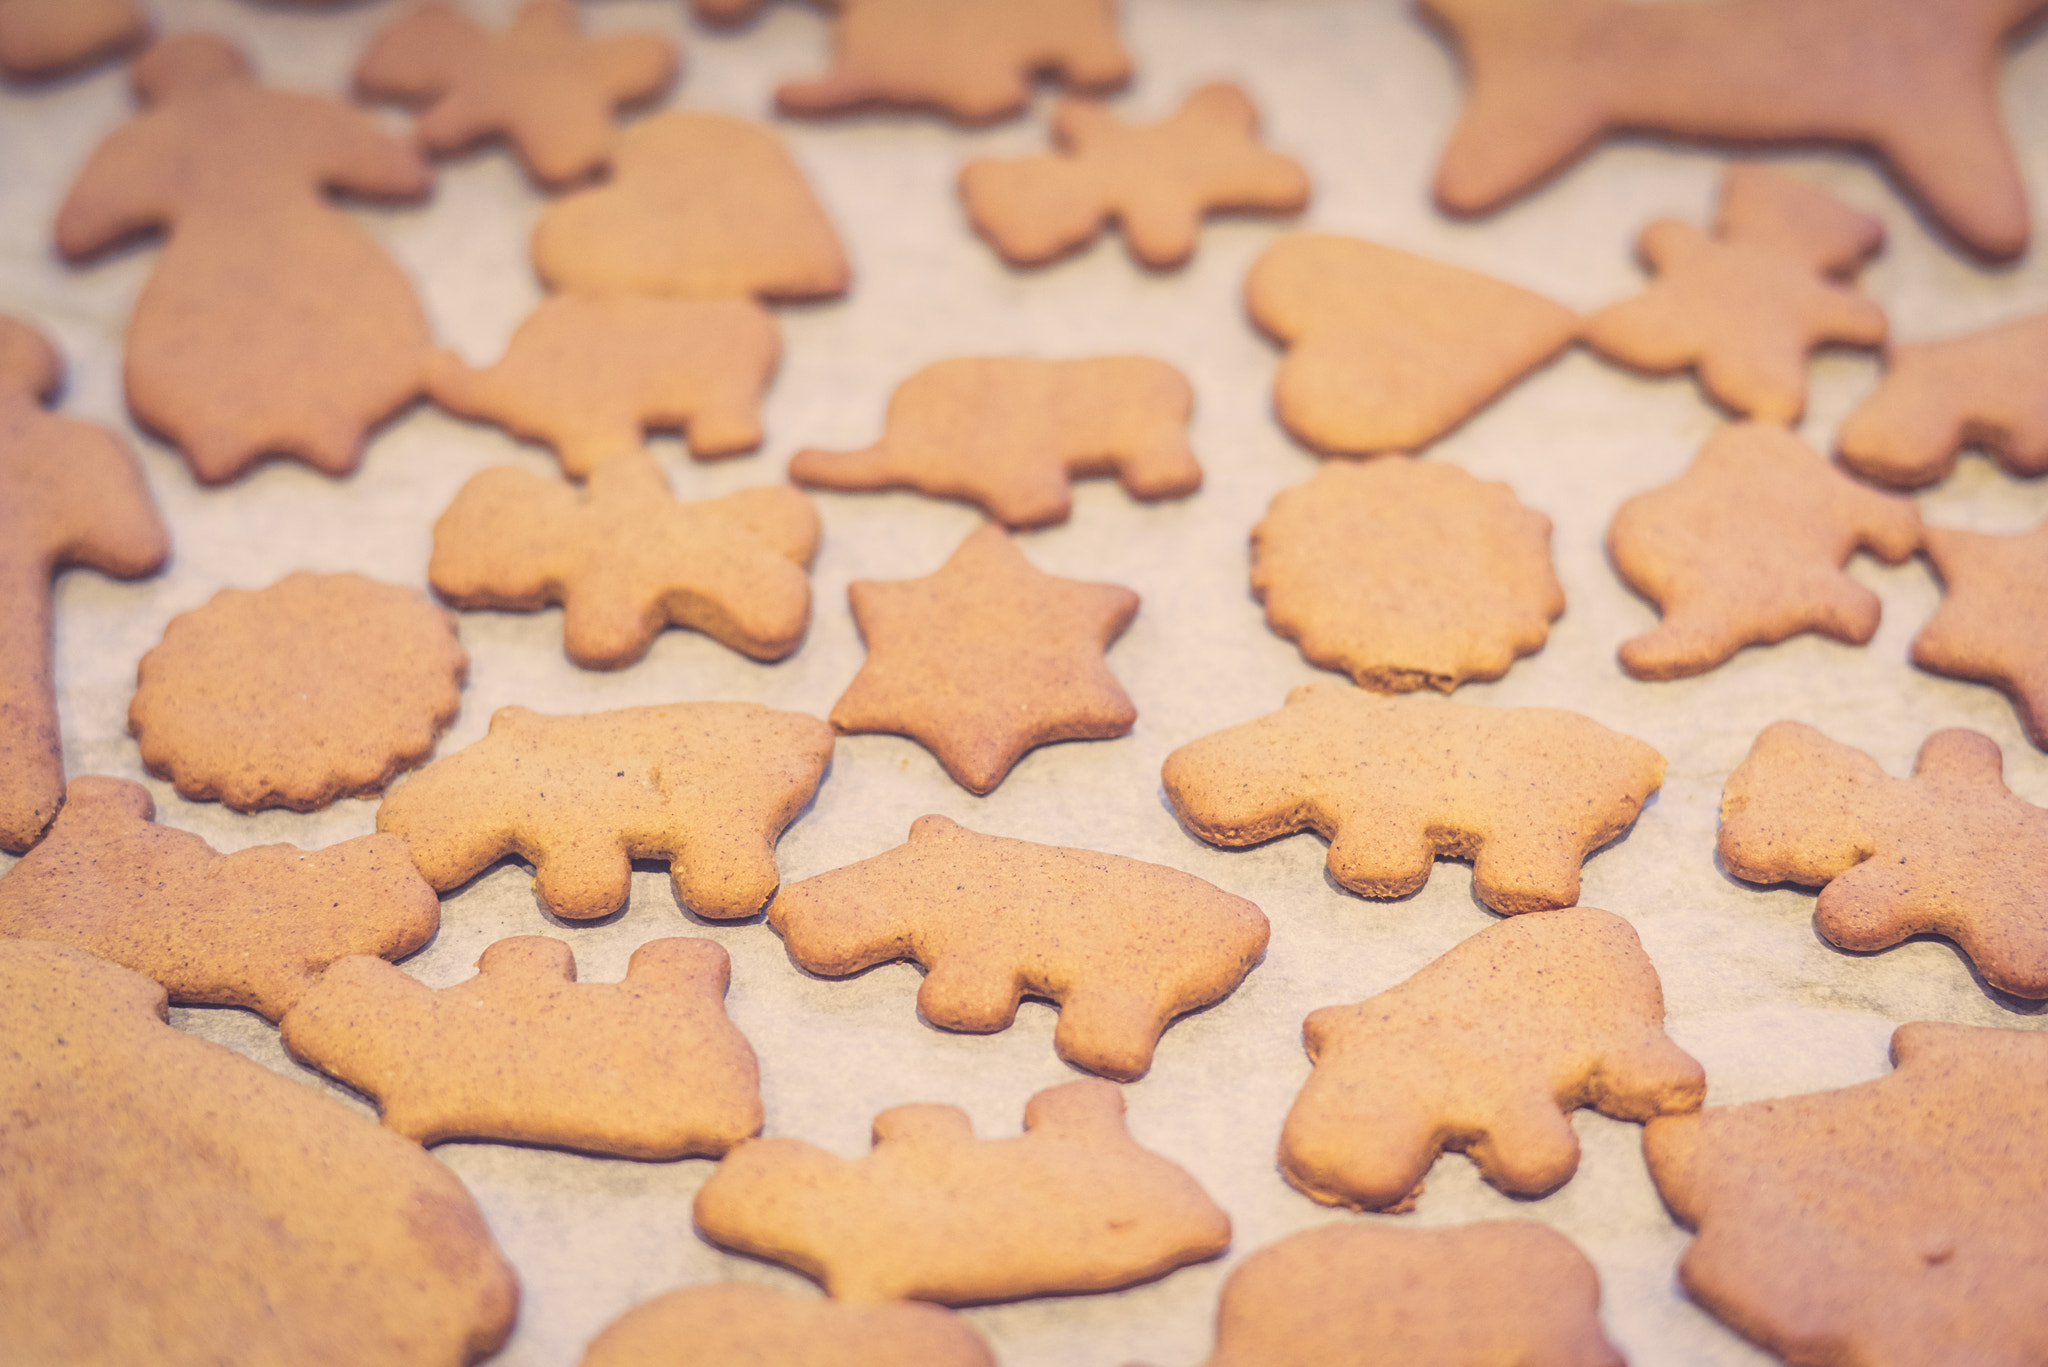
(736, 1324)
(1743, 307)
(1747, 547)
(625, 558)
(507, 1054)
(725, 13)
(1406, 574)
(699, 206)
(708, 786)
(1902, 1221)
(273, 323)
(540, 84)
(1525, 793)
(971, 60)
(932, 1213)
(585, 374)
(1122, 947)
(1007, 433)
(318, 687)
(1488, 1050)
(1992, 625)
(51, 37)
(987, 659)
(253, 928)
(1950, 850)
(1387, 351)
(1985, 389)
(1157, 180)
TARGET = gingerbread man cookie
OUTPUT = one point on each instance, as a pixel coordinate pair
(738, 1324)
(51, 37)
(1985, 389)
(1992, 625)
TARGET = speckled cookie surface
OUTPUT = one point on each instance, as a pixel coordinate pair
(1992, 625)
(737, 1324)
(1986, 389)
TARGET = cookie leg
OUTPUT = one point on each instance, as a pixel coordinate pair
(1110, 1033)
(1344, 1149)
(1528, 1147)
(583, 881)
(961, 994)
(1383, 860)
(724, 881)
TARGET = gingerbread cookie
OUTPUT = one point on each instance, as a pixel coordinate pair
(1487, 1050)
(171, 1202)
(318, 687)
(708, 786)
(932, 1213)
(736, 1324)
(1950, 850)
(51, 37)
(1122, 947)
(1747, 547)
(1985, 389)
(540, 85)
(1900, 1221)
(71, 493)
(585, 374)
(1916, 86)
(971, 60)
(273, 323)
(1406, 574)
(725, 13)
(1525, 793)
(1992, 625)
(986, 659)
(1008, 433)
(701, 206)
(625, 558)
(253, 928)
(1157, 180)
(1387, 351)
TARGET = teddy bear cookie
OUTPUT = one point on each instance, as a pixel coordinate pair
(51, 37)
(738, 1324)
(1984, 389)
(1992, 625)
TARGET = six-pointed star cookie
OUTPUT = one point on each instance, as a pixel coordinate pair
(986, 659)
(1993, 625)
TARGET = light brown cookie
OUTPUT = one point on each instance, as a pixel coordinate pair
(1742, 308)
(1747, 547)
(539, 84)
(171, 1202)
(71, 493)
(1950, 850)
(1914, 84)
(1406, 574)
(1487, 1050)
(1992, 625)
(625, 558)
(1007, 433)
(1525, 793)
(1985, 389)
(1387, 351)
(736, 1324)
(708, 786)
(585, 374)
(932, 1213)
(253, 928)
(1898, 1222)
(1122, 947)
(1157, 180)
(987, 659)
(507, 1054)
(51, 37)
(971, 60)
(318, 687)
(700, 206)
(725, 13)
(273, 324)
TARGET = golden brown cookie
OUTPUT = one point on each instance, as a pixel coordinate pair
(1985, 389)
(1950, 850)
(171, 1202)
(1387, 351)
(708, 786)
(1747, 547)
(51, 37)
(1897, 1222)
(1525, 793)
(1406, 574)
(725, 13)
(625, 558)
(736, 1324)
(987, 659)
(1157, 180)
(971, 60)
(508, 1053)
(1487, 1050)
(318, 687)
(539, 84)
(253, 928)
(1122, 947)
(1914, 83)
(700, 206)
(71, 493)
(932, 1213)
(585, 374)
(1008, 432)
(273, 323)
(1992, 625)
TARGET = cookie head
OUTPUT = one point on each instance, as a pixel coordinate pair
(186, 63)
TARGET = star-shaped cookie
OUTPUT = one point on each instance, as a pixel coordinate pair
(1993, 625)
(986, 659)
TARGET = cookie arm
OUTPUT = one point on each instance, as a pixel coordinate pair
(356, 156)
(128, 188)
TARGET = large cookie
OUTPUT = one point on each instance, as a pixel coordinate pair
(737, 1324)
(1992, 625)
(1986, 389)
